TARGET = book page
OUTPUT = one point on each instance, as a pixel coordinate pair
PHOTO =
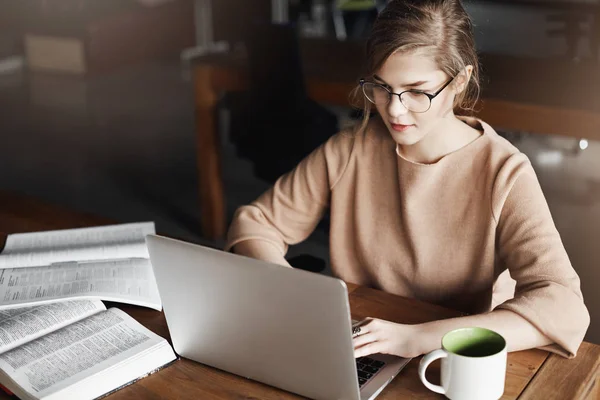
(128, 281)
(20, 325)
(86, 244)
(78, 351)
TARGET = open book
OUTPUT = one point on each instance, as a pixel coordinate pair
(75, 349)
(108, 263)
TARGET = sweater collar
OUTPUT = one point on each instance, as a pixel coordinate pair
(471, 121)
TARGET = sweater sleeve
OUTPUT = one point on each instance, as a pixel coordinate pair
(288, 212)
(547, 292)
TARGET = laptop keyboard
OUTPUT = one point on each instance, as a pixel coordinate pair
(367, 368)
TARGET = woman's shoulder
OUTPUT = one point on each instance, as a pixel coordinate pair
(507, 164)
(501, 153)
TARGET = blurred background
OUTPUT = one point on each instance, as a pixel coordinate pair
(180, 111)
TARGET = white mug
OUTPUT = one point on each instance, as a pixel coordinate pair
(473, 365)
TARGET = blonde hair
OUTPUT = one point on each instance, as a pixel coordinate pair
(441, 26)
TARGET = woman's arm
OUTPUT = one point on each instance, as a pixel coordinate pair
(378, 336)
(288, 213)
(261, 250)
(547, 293)
(516, 330)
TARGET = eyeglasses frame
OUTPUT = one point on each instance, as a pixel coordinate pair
(362, 81)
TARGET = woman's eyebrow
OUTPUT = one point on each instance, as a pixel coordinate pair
(414, 84)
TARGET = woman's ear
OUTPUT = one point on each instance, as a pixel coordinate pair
(463, 78)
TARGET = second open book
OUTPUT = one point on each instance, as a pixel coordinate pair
(108, 263)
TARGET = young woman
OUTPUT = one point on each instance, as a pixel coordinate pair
(425, 203)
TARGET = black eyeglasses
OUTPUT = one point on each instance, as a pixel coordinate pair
(413, 100)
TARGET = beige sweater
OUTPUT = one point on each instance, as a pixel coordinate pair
(441, 233)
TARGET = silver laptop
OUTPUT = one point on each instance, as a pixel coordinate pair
(284, 327)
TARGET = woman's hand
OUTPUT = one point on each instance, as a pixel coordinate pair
(379, 336)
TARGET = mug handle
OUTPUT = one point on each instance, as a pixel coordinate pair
(425, 361)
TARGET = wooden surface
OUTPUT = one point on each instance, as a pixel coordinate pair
(554, 96)
(212, 199)
(532, 374)
(568, 379)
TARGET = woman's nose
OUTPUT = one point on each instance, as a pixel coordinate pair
(396, 108)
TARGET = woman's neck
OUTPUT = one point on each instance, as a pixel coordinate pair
(448, 136)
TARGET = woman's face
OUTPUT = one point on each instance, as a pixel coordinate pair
(413, 70)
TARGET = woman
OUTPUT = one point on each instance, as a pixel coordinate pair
(425, 203)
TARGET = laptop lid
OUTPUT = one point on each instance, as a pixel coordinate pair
(284, 327)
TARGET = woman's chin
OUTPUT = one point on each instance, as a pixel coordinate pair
(407, 138)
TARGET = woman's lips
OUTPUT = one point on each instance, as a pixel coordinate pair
(400, 127)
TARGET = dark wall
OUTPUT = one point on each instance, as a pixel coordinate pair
(233, 18)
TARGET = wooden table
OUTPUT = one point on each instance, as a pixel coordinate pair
(533, 95)
(532, 374)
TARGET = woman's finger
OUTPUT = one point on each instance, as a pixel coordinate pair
(368, 349)
(361, 340)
